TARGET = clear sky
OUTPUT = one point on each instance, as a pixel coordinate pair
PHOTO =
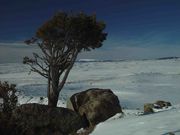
(136, 28)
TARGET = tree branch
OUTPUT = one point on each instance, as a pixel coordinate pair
(68, 70)
(37, 62)
(38, 71)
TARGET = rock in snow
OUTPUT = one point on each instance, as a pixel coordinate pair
(96, 105)
(159, 105)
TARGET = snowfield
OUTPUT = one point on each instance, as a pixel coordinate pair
(134, 82)
(153, 124)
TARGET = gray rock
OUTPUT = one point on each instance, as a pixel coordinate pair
(148, 108)
(95, 105)
(160, 104)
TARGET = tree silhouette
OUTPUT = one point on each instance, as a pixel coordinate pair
(61, 39)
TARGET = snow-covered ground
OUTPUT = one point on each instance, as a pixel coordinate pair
(134, 82)
(160, 123)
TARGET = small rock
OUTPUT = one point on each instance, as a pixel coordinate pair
(148, 108)
(170, 133)
(41, 98)
(162, 104)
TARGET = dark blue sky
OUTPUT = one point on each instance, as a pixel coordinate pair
(130, 23)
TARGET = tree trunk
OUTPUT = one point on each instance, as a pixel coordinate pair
(54, 86)
(52, 100)
(53, 95)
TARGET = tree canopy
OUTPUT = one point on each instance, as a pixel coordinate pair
(61, 39)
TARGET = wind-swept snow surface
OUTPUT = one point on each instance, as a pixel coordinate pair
(160, 123)
(134, 82)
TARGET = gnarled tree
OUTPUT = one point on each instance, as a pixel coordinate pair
(61, 39)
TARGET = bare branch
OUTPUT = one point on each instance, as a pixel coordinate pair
(32, 63)
(44, 50)
(61, 85)
(40, 63)
(38, 71)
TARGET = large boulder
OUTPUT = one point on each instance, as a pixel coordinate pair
(95, 105)
(36, 119)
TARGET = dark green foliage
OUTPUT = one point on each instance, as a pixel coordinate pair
(8, 94)
(74, 31)
(36, 119)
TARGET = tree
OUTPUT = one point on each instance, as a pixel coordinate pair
(61, 39)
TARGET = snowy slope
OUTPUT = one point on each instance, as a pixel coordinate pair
(40, 100)
(134, 82)
(154, 124)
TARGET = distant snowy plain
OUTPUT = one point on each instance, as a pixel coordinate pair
(134, 82)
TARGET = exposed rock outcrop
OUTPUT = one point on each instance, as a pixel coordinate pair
(160, 104)
(149, 107)
(95, 105)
